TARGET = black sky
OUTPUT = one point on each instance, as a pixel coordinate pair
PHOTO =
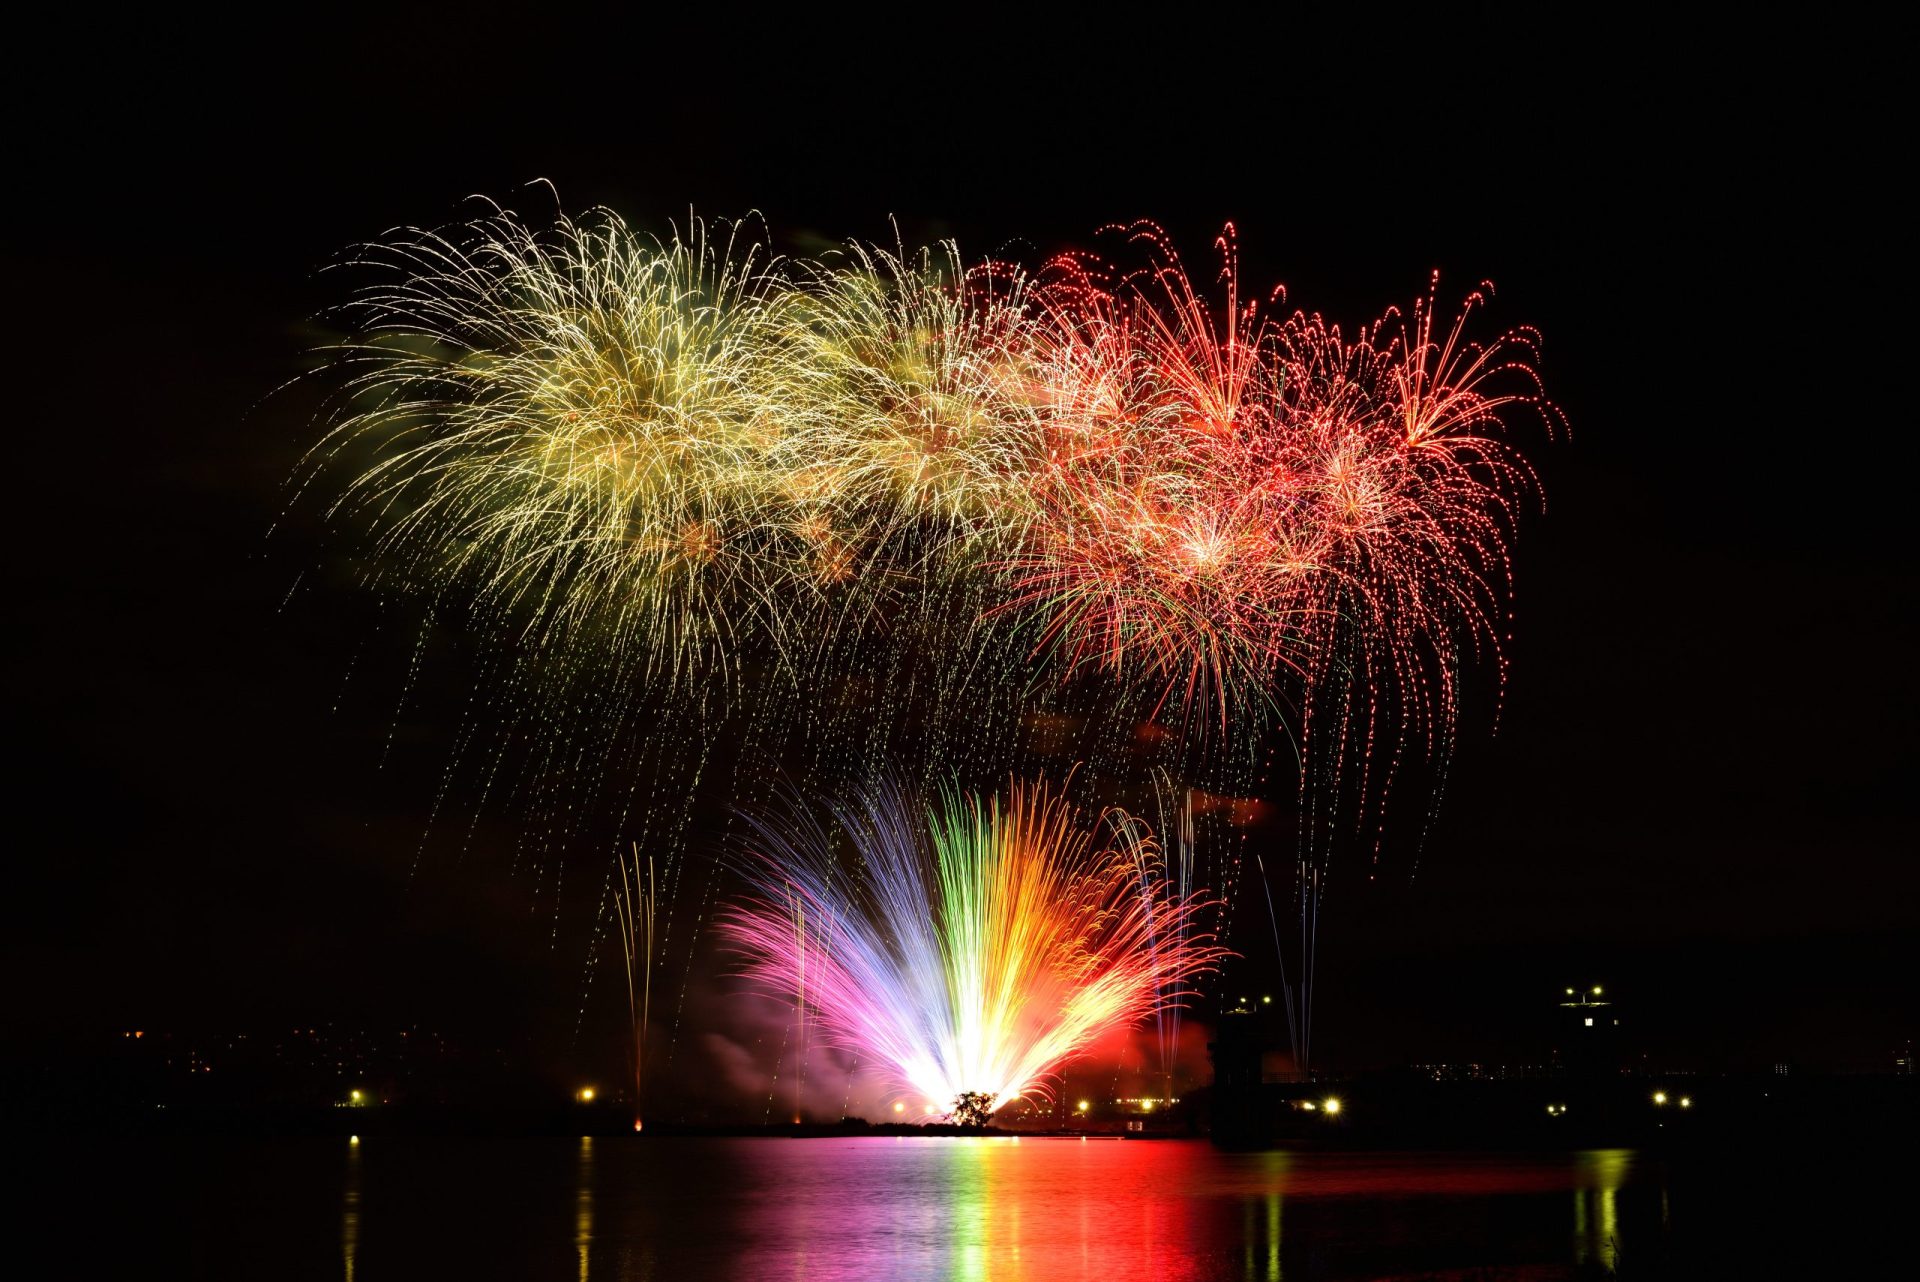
(1701, 786)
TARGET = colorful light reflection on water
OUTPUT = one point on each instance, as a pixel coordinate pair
(619, 1209)
(991, 1209)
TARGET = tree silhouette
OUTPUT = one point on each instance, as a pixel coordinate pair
(972, 1109)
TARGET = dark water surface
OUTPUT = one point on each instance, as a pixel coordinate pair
(884, 1208)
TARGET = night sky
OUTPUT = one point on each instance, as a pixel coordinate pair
(1700, 789)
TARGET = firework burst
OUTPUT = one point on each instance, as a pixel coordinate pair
(889, 498)
(910, 366)
(573, 423)
(687, 451)
(974, 946)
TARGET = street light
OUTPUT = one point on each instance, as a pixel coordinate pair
(584, 1094)
(1660, 1098)
(1331, 1106)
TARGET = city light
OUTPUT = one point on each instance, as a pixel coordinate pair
(1686, 1101)
(355, 1096)
(1084, 1106)
(1596, 990)
(584, 1095)
(1332, 1106)
(899, 1107)
(1660, 1097)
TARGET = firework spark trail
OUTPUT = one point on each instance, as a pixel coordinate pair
(1280, 952)
(973, 946)
(1177, 819)
(635, 903)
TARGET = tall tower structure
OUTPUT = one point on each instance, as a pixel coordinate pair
(1240, 1114)
(1587, 1032)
